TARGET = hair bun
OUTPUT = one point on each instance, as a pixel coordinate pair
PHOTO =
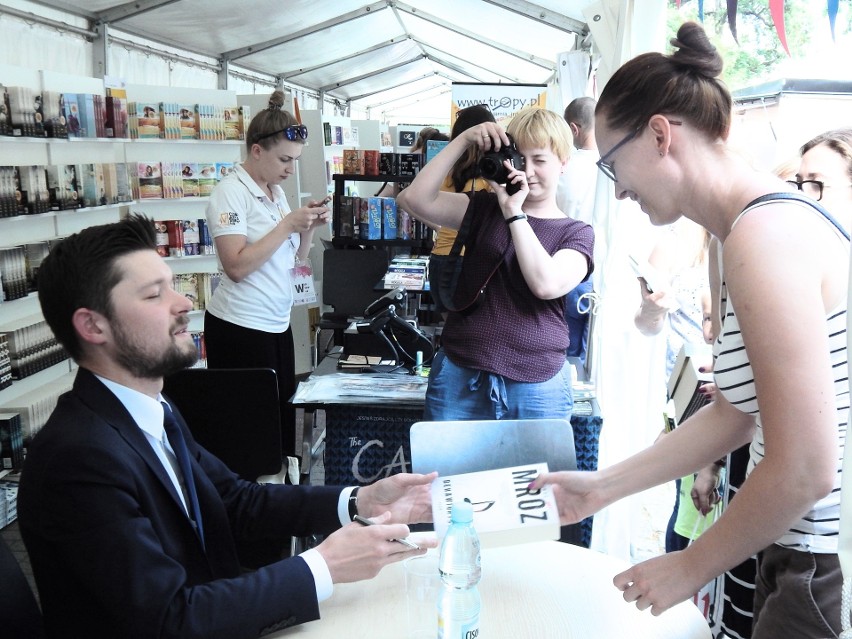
(276, 100)
(696, 52)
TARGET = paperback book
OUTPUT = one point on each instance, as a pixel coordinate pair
(505, 511)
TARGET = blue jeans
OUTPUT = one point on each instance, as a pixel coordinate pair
(458, 393)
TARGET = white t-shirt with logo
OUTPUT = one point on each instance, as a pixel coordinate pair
(263, 299)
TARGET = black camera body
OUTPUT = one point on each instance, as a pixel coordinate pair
(491, 165)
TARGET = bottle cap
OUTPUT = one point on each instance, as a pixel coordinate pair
(462, 512)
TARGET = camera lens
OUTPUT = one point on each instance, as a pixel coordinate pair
(490, 167)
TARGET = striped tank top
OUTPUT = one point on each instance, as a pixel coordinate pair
(817, 530)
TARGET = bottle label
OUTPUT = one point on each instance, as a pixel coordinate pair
(447, 629)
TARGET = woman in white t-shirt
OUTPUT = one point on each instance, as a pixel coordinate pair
(259, 241)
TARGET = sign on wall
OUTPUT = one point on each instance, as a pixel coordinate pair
(504, 100)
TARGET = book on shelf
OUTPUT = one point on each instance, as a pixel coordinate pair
(11, 441)
(161, 232)
(343, 216)
(172, 180)
(505, 511)
(189, 178)
(230, 118)
(224, 169)
(390, 218)
(147, 120)
(5, 358)
(686, 379)
(371, 229)
(371, 162)
(186, 122)
(433, 147)
(53, 109)
(62, 184)
(175, 232)
(208, 282)
(206, 245)
(244, 119)
(187, 285)
(409, 164)
(148, 179)
(88, 125)
(353, 162)
(5, 122)
(206, 178)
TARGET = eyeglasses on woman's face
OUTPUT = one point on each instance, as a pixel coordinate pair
(813, 188)
(605, 163)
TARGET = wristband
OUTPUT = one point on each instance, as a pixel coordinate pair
(515, 218)
(353, 503)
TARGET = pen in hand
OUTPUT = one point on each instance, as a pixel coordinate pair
(369, 522)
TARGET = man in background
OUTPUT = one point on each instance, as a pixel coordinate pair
(575, 195)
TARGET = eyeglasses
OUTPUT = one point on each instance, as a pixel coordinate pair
(293, 132)
(606, 167)
(812, 188)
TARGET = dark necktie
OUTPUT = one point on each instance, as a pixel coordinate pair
(178, 444)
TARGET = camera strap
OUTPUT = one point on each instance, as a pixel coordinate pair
(453, 268)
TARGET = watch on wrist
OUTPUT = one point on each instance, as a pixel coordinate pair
(353, 503)
(515, 218)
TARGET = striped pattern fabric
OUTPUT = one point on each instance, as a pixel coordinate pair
(817, 530)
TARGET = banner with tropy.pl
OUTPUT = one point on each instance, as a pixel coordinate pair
(504, 100)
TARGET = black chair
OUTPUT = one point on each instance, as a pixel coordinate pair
(235, 414)
(20, 616)
(349, 279)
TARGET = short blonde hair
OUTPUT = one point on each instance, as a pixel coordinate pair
(539, 128)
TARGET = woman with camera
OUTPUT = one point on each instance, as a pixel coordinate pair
(504, 340)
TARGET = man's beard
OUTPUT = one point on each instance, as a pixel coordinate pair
(144, 365)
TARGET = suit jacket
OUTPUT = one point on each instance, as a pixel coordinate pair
(114, 553)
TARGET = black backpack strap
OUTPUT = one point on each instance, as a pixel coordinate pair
(787, 195)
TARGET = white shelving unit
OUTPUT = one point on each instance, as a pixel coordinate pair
(26, 229)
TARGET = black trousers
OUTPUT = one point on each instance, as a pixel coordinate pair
(233, 346)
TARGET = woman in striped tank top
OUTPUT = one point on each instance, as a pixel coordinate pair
(781, 369)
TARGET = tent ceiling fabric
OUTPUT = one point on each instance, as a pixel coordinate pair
(369, 53)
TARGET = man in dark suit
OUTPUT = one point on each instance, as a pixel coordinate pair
(117, 544)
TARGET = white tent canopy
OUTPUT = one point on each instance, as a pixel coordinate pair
(380, 59)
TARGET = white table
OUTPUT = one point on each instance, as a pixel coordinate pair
(538, 591)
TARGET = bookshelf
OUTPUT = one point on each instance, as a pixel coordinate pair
(52, 225)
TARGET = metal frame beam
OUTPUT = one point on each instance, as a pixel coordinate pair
(364, 76)
(540, 14)
(382, 45)
(263, 46)
(131, 9)
(523, 55)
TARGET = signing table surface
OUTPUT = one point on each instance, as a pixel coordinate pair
(538, 591)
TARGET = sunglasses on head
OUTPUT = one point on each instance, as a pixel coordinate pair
(482, 105)
(293, 133)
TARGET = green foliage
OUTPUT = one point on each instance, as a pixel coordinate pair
(756, 54)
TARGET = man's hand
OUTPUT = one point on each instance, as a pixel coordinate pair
(405, 495)
(357, 552)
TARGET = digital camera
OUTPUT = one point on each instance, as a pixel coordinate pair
(491, 165)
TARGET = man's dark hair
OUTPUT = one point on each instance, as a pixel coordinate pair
(80, 272)
(581, 111)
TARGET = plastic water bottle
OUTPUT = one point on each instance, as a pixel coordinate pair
(461, 568)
